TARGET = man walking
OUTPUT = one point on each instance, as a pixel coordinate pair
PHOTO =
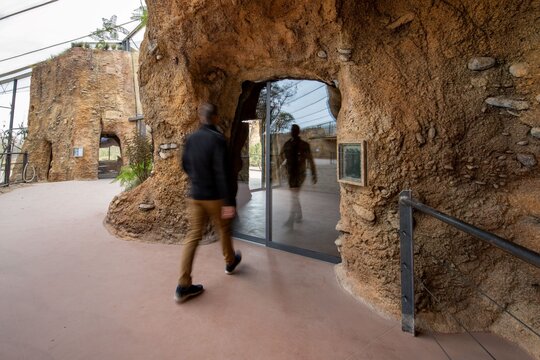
(296, 153)
(205, 161)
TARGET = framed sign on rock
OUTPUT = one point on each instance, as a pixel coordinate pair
(352, 164)
(78, 152)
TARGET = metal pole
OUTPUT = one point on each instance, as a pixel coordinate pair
(268, 165)
(126, 45)
(27, 9)
(10, 133)
(406, 241)
(25, 162)
(525, 254)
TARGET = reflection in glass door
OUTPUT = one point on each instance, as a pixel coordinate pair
(250, 222)
(297, 165)
(305, 191)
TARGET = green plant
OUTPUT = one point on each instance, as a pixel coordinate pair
(129, 176)
(139, 152)
(109, 31)
(102, 45)
(140, 14)
(255, 155)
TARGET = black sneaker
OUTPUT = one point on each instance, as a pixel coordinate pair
(229, 269)
(184, 293)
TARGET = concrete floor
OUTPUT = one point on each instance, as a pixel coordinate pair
(320, 207)
(69, 290)
(316, 232)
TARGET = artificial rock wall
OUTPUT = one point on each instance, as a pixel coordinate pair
(74, 99)
(439, 118)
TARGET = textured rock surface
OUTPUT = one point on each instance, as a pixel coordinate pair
(75, 98)
(395, 83)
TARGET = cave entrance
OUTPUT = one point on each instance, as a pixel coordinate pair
(110, 157)
(288, 194)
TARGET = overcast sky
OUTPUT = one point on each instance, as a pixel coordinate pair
(53, 23)
(68, 19)
(59, 21)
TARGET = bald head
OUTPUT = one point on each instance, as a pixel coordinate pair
(208, 113)
(295, 131)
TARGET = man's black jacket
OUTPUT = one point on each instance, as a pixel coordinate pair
(205, 161)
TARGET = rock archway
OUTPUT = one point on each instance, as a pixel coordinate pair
(445, 93)
(75, 97)
(110, 156)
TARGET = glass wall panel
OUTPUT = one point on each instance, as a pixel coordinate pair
(305, 191)
(250, 222)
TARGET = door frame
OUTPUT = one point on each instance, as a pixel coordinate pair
(267, 241)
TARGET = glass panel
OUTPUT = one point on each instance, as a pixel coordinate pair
(250, 222)
(305, 191)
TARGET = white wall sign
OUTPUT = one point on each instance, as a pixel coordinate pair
(78, 152)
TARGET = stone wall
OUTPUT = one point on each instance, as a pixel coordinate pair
(74, 98)
(459, 130)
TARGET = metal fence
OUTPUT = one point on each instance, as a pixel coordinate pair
(329, 128)
(13, 172)
(408, 278)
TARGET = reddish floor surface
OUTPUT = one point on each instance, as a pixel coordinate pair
(71, 291)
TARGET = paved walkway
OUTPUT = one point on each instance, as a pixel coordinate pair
(69, 290)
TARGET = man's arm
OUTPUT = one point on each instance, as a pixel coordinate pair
(282, 153)
(311, 164)
(221, 173)
(185, 157)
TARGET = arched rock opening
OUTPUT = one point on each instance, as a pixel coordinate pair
(110, 158)
(412, 88)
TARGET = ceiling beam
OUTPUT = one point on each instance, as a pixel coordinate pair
(27, 9)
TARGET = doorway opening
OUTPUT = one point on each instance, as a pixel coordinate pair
(285, 167)
(110, 157)
(49, 160)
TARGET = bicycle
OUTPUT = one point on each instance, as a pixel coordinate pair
(29, 173)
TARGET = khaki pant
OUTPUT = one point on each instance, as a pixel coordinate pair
(200, 211)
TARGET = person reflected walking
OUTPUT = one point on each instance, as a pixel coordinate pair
(296, 153)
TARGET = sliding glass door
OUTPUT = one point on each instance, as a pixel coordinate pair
(290, 198)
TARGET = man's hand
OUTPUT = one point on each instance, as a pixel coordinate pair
(228, 212)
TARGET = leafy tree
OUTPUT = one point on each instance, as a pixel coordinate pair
(255, 155)
(109, 31)
(281, 122)
(280, 94)
(141, 14)
(17, 138)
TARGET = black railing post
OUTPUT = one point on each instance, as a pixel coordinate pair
(7, 171)
(407, 262)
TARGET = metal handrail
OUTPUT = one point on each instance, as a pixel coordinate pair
(406, 235)
(525, 254)
(12, 153)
